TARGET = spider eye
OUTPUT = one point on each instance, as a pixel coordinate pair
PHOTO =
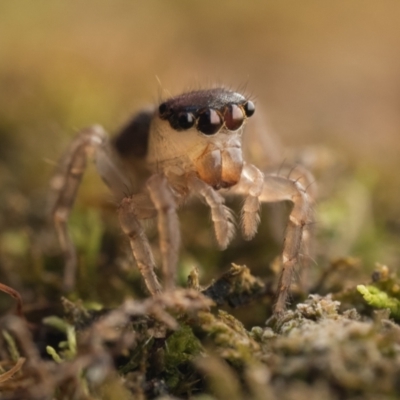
(210, 122)
(185, 120)
(233, 117)
(162, 110)
(249, 108)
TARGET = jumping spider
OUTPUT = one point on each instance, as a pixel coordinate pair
(189, 145)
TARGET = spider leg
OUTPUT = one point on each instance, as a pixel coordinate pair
(93, 141)
(275, 189)
(64, 186)
(251, 207)
(221, 215)
(301, 174)
(168, 226)
(129, 212)
(157, 201)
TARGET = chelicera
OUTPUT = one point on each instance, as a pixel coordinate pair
(189, 145)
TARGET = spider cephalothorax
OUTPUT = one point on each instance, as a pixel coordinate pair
(189, 145)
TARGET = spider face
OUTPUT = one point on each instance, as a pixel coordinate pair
(208, 111)
(201, 131)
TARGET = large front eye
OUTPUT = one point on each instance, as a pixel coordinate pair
(209, 122)
(233, 117)
(185, 120)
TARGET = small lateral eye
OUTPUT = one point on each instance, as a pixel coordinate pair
(162, 110)
(233, 117)
(186, 120)
(249, 108)
(209, 122)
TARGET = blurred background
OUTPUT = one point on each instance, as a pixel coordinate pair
(325, 75)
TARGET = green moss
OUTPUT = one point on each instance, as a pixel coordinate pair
(379, 299)
(227, 336)
(180, 349)
(11, 346)
(69, 346)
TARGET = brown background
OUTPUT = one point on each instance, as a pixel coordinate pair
(323, 72)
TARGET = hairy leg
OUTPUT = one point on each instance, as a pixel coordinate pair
(299, 173)
(64, 187)
(139, 243)
(275, 189)
(251, 207)
(168, 226)
(65, 183)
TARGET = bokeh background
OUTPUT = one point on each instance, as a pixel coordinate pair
(324, 74)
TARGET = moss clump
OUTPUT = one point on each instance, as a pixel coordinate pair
(383, 292)
(317, 343)
(235, 287)
(227, 336)
(379, 299)
(180, 349)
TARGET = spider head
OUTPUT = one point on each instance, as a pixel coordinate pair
(209, 111)
(202, 131)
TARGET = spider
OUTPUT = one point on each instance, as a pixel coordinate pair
(190, 145)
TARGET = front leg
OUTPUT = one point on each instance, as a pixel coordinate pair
(157, 201)
(251, 207)
(130, 209)
(168, 226)
(275, 189)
